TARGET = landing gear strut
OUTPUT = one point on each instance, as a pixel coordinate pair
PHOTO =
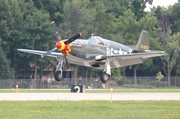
(58, 74)
(105, 76)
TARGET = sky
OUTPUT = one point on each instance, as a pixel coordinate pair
(164, 3)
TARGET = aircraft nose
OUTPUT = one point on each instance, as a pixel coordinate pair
(58, 45)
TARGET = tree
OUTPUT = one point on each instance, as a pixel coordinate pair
(104, 22)
(40, 36)
(173, 50)
(26, 24)
(168, 41)
(116, 74)
(30, 28)
(54, 8)
(5, 69)
(5, 24)
(115, 7)
(78, 17)
(130, 28)
(176, 18)
(15, 30)
(138, 7)
(159, 76)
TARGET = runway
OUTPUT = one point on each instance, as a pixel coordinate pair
(87, 96)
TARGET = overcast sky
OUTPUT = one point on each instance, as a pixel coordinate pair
(164, 3)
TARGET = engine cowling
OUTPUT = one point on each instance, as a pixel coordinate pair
(67, 49)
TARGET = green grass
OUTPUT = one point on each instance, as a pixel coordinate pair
(89, 109)
(125, 90)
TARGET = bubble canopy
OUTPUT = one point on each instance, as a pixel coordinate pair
(96, 40)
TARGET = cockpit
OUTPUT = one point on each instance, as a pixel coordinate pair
(96, 40)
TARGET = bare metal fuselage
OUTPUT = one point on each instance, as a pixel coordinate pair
(84, 52)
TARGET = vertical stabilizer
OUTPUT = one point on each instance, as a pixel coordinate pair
(143, 42)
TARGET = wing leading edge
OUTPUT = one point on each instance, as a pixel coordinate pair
(41, 53)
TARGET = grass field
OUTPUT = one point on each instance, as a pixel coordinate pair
(126, 90)
(89, 110)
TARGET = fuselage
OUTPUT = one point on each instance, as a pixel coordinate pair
(96, 45)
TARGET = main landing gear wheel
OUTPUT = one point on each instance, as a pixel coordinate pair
(58, 76)
(104, 77)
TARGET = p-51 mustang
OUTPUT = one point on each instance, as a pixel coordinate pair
(96, 52)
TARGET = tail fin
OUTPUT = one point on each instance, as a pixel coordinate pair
(143, 42)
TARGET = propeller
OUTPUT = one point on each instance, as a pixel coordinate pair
(58, 36)
(64, 46)
(48, 52)
(55, 29)
(73, 38)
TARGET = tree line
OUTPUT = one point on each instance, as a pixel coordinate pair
(26, 24)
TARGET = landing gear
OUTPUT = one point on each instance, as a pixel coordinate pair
(58, 74)
(105, 76)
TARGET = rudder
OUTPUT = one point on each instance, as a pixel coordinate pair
(143, 42)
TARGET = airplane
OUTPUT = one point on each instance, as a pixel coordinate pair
(96, 52)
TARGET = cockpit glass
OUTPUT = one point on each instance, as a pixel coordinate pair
(96, 40)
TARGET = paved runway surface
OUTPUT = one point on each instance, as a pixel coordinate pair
(89, 96)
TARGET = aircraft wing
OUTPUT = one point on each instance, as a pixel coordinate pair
(116, 61)
(38, 52)
(132, 55)
(119, 60)
(122, 60)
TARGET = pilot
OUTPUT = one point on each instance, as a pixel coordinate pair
(99, 42)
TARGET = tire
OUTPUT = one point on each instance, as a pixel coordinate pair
(104, 77)
(58, 77)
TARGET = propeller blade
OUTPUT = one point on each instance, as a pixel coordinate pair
(73, 38)
(49, 52)
(55, 29)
